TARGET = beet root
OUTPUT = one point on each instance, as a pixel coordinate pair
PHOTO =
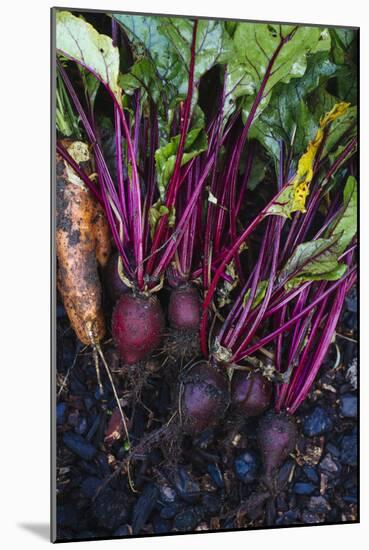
(251, 393)
(184, 311)
(113, 283)
(277, 436)
(182, 341)
(204, 398)
(137, 326)
(182, 344)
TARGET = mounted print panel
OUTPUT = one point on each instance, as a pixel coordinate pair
(205, 177)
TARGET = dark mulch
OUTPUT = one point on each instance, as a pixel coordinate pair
(208, 483)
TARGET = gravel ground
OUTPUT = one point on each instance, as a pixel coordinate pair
(209, 483)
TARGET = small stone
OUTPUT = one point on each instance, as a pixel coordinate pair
(329, 466)
(310, 517)
(333, 450)
(348, 405)
(166, 493)
(73, 418)
(161, 525)
(246, 466)
(79, 446)
(350, 499)
(186, 520)
(109, 509)
(88, 402)
(188, 489)
(351, 300)
(304, 488)
(61, 409)
(349, 450)
(144, 506)
(311, 474)
(323, 483)
(311, 455)
(81, 426)
(351, 373)
(90, 485)
(170, 510)
(289, 518)
(318, 422)
(318, 505)
(211, 503)
(216, 475)
(122, 531)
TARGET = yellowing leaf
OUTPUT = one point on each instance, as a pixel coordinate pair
(305, 170)
(338, 110)
(293, 197)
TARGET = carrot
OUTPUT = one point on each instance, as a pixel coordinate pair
(82, 243)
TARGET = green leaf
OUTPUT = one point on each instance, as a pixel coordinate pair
(313, 260)
(318, 259)
(345, 227)
(147, 41)
(284, 205)
(342, 42)
(142, 75)
(287, 115)
(259, 294)
(212, 44)
(91, 85)
(333, 275)
(165, 157)
(157, 211)
(162, 50)
(167, 41)
(344, 53)
(254, 45)
(66, 120)
(258, 171)
(79, 41)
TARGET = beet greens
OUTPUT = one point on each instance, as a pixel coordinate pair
(247, 201)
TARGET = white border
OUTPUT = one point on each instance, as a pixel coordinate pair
(24, 184)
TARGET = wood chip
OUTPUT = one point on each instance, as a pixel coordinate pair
(323, 483)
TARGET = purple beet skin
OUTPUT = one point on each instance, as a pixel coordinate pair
(204, 398)
(277, 437)
(113, 283)
(251, 393)
(184, 311)
(137, 326)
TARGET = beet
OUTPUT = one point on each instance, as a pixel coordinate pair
(137, 326)
(277, 436)
(184, 311)
(251, 392)
(113, 283)
(204, 398)
(182, 344)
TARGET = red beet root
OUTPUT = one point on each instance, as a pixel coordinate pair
(113, 282)
(137, 326)
(251, 393)
(204, 398)
(184, 312)
(277, 436)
